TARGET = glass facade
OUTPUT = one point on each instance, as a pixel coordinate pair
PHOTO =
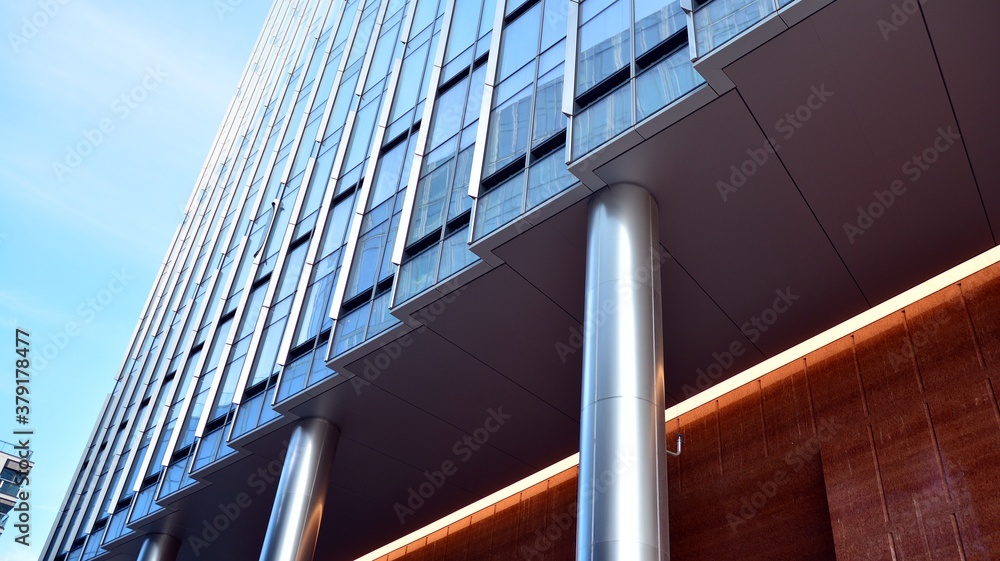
(370, 146)
(525, 148)
(441, 206)
(632, 61)
(362, 309)
(718, 21)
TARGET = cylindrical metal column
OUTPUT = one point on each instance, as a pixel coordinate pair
(623, 478)
(159, 547)
(298, 506)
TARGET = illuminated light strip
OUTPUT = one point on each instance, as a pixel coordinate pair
(864, 319)
(467, 511)
(868, 317)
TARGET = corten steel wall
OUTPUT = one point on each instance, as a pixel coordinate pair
(882, 445)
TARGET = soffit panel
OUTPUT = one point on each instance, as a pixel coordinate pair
(747, 248)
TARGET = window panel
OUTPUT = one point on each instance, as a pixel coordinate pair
(319, 370)
(513, 5)
(424, 15)
(417, 274)
(554, 22)
(386, 269)
(460, 201)
(293, 378)
(520, 42)
(507, 137)
(394, 6)
(449, 110)
(464, 25)
(604, 45)
(361, 136)
(486, 20)
(499, 206)
(549, 118)
(514, 84)
(408, 84)
(361, 40)
(317, 307)
(602, 120)
(383, 54)
(227, 389)
(267, 354)
(407, 162)
(217, 343)
(291, 271)
(455, 254)
(194, 413)
(388, 174)
(337, 226)
(380, 319)
(252, 311)
(548, 177)
(666, 81)
(655, 22)
(366, 260)
(343, 101)
(351, 330)
(429, 204)
(345, 24)
(475, 101)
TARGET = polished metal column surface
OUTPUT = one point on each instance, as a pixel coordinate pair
(623, 481)
(159, 547)
(298, 506)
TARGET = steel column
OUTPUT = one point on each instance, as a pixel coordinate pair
(623, 482)
(298, 506)
(159, 547)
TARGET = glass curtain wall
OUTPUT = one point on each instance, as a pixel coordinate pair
(525, 152)
(436, 241)
(632, 60)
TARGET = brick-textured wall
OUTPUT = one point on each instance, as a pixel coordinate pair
(882, 445)
(538, 523)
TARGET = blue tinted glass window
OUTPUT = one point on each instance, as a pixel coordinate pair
(507, 137)
(429, 204)
(464, 25)
(366, 260)
(655, 21)
(388, 174)
(554, 22)
(549, 118)
(449, 110)
(520, 42)
(604, 45)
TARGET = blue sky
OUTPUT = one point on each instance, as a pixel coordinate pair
(109, 110)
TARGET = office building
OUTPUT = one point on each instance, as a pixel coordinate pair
(456, 274)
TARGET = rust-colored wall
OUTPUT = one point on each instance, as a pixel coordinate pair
(538, 523)
(882, 445)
